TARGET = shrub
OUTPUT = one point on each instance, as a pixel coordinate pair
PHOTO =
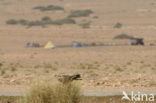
(57, 22)
(12, 22)
(118, 25)
(53, 7)
(67, 93)
(68, 21)
(2, 72)
(47, 66)
(80, 13)
(85, 24)
(49, 8)
(119, 69)
(88, 66)
(47, 93)
(95, 17)
(123, 36)
(64, 21)
(1, 65)
(39, 93)
(35, 23)
(9, 99)
(39, 7)
(46, 20)
(13, 69)
(23, 22)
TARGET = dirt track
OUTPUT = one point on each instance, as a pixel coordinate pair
(84, 93)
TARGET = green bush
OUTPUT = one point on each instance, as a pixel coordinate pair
(68, 21)
(23, 22)
(35, 23)
(39, 7)
(64, 21)
(80, 13)
(2, 72)
(85, 24)
(12, 22)
(47, 93)
(1, 65)
(123, 36)
(46, 20)
(48, 8)
(53, 7)
(95, 17)
(57, 22)
(118, 25)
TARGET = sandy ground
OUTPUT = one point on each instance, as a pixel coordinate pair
(108, 68)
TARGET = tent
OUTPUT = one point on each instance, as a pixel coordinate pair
(49, 45)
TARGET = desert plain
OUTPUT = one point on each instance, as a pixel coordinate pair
(103, 68)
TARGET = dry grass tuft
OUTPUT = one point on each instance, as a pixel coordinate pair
(47, 93)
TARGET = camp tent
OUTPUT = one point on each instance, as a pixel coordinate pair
(49, 45)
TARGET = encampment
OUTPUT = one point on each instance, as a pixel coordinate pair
(77, 44)
(32, 44)
(49, 45)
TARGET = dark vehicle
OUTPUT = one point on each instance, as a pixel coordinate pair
(137, 41)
